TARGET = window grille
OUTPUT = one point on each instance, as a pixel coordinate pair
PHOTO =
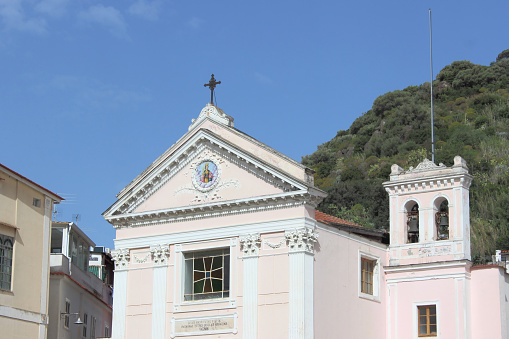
(207, 275)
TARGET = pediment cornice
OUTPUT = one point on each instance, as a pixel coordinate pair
(204, 144)
(218, 209)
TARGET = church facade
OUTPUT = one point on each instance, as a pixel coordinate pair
(219, 238)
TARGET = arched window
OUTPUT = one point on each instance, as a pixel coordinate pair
(413, 223)
(442, 219)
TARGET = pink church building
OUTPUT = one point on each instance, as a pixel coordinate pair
(220, 238)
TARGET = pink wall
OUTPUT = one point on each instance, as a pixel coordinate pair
(339, 310)
(489, 302)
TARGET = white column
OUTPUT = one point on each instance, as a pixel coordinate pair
(250, 247)
(160, 254)
(301, 252)
(121, 258)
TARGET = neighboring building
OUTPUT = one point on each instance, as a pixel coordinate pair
(219, 238)
(75, 293)
(101, 264)
(25, 228)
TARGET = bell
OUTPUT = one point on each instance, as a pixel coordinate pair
(413, 225)
(444, 221)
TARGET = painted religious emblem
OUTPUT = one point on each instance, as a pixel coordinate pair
(206, 175)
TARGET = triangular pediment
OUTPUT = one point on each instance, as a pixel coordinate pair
(203, 173)
(213, 176)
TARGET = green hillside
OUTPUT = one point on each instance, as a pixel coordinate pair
(471, 107)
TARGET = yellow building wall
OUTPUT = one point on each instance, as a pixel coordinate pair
(17, 329)
(30, 264)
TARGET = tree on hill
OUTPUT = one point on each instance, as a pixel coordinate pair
(471, 120)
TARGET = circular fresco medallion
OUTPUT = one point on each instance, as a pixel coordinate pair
(205, 175)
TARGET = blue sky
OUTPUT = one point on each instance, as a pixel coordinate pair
(91, 92)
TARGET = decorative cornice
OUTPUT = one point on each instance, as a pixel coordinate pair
(301, 240)
(427, 177)
(233, 232)
(121, 258)
(428, 184)
(214, 210)
(250, 244)
(160, 254)
(425, 166)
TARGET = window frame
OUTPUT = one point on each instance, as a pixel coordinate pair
(375, 276)
(36, 202)
(191, 259)
(92, 327)
(431, 310)
(367, 273)
(415, 315)
(67, 308)
(182, 305)
(6, 262)
(84, 327)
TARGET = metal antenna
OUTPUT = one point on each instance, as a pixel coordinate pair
(432, 115)
(76, 217)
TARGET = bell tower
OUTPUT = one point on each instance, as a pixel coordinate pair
(429, 213)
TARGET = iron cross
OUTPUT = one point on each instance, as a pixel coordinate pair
(212, 84)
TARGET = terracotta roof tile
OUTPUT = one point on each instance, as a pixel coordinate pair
(327, 219)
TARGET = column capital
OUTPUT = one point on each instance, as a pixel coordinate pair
(160, 254)
(301, 240)
(121, 257)
(250, 244)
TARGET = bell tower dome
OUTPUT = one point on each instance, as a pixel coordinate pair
(429, 213)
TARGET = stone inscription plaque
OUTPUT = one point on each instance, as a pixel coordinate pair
(209, 325)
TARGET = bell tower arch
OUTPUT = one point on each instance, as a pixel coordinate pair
(429, 213)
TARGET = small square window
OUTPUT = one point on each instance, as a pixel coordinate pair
(207, 275)
(36, 202)
(427, 320)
